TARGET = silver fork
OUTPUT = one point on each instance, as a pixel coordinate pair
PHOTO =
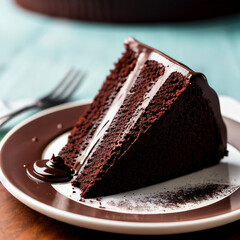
(60, 94)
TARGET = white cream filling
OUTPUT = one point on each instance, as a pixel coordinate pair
(112, 111)
(121, 96)
(169, 68)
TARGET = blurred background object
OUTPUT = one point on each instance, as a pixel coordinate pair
(134, 11)
(59, 95)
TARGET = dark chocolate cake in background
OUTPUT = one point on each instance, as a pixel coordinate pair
(134, 11)
(154, 119)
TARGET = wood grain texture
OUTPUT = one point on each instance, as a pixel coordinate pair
(19, 222)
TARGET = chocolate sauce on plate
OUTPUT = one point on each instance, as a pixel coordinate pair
(52, 170)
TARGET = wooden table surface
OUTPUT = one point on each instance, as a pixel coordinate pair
(18, 221)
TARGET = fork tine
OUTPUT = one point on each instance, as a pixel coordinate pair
(69, 83)
(65, 84)
(71, 89)
(61, 83)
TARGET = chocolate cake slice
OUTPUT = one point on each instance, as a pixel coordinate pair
(154, 119)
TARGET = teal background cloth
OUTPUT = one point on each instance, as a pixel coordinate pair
(36, 51)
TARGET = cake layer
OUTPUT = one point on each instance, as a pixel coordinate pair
(91, 118)
(175, 150)
(141, 86)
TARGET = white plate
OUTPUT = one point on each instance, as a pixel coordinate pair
(122, 213)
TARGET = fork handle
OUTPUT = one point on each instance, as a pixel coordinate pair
(9, 109)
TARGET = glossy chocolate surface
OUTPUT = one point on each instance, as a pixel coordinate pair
(50, 170)
(201, 81)
(211, 96)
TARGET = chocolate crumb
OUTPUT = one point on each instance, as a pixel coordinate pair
(174, 199)
(100, 205)
(34, 139)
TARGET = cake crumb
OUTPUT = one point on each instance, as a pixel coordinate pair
(34, 139)
(100, 205)
(59, 126)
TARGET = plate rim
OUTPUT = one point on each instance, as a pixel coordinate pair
(116, 226)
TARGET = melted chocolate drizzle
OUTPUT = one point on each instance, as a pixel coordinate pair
(52, 170)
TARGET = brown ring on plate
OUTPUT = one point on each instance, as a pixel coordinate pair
(21, 148)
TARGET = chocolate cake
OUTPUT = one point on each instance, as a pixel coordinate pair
(154, 119)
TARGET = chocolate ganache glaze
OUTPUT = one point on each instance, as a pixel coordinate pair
(52, 170)
(195, 78)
